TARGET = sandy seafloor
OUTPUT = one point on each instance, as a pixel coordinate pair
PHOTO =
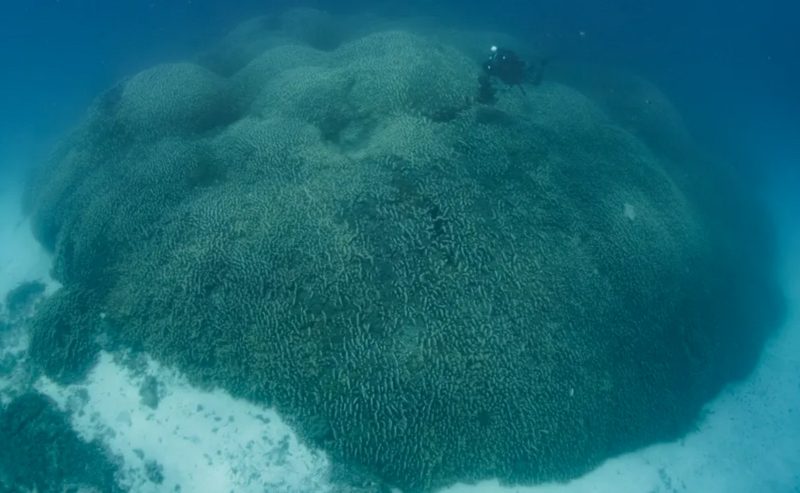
(747, 441)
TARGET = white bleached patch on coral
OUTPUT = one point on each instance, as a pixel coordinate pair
(195, 440)
(629, 211)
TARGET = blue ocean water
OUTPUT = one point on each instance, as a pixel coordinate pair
(732, 71)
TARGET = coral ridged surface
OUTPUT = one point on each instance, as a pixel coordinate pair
(430, 289)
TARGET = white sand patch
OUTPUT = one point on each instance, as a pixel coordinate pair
(22, 258)
(15, 375)
(197, 440)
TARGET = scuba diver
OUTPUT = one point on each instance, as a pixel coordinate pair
(507, 66)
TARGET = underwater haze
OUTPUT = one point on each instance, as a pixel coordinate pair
(362, 247)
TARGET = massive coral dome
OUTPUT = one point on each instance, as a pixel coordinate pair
(430, 289)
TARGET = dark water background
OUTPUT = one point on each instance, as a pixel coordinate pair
(732, 68)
